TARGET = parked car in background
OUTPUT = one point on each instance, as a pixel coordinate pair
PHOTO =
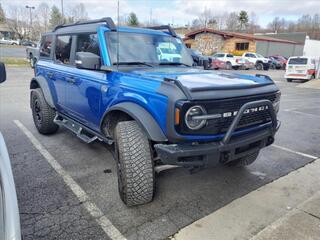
(258, 60)
(229, 59)
(33, 54)
(281, 59)
(9, 212)
(245, 64)
(168, 52)
(303, 68)
(217, 64)
(28, 43)
(9, 41)
(198, 57)
(275, 64)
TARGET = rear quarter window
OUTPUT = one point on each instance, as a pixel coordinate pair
(46, 46)
(298, 61)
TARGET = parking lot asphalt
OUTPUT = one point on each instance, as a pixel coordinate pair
(12, 51)
(50, 210)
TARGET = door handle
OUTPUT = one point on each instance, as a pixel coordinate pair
(71, 80)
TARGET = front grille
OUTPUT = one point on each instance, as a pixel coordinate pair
(221, 125)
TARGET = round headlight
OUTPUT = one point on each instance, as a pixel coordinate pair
(192, 122)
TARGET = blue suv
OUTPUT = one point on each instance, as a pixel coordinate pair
(138, 89)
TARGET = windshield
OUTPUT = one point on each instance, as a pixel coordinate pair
(260, 56)
(147, 48)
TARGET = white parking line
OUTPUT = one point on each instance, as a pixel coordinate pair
(303, 113)
(293, 151)
(93, 210)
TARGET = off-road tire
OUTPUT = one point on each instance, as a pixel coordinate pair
(289, 80)
(244, 161)
(259, 66)
(42, 113)
(136, 181)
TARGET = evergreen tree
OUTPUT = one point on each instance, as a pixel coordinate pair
(133, 19)
(55, 17)
(243, 19)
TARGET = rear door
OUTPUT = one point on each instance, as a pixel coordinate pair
(46, 67)
(64, 66)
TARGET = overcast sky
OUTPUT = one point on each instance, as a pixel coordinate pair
(183, 11)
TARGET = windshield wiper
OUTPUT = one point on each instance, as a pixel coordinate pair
(133, 63)
(174, 64)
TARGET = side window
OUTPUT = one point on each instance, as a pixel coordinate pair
(229, 55)
(88, 43)
(63, 48)
(45, 46)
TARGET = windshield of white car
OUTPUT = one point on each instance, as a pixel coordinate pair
(260, 56)
(146, 48)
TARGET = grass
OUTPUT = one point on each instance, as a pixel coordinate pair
(15, 62)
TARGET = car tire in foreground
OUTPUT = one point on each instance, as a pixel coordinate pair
(136, 181)
(43, 114)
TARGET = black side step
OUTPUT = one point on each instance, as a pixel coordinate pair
(86, 135)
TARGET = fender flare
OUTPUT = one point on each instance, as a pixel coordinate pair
(142, 117)
(43, 84)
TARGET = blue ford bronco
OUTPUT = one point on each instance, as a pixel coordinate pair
(111, 84)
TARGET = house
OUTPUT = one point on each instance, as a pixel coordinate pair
(209, 41)
(5, 31)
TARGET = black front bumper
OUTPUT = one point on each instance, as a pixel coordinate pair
(228, 149)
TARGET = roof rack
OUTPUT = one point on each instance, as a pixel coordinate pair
(165, 27)
(108, 21)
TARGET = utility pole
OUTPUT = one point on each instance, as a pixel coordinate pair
(30, 26)
(62, 13)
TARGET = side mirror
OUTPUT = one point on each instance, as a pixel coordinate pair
(87, 60)
(3, 75)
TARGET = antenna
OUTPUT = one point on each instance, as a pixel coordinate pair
(118, 42)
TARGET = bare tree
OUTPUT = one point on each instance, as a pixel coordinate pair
(43, 13)
(277, 24)
(206, 18)
(253, 25)
(232, 21)
(18, 21)
(78, 13)
(221, 20)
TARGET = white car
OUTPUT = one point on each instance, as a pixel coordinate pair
(229, 59)
(9, 41)
(301, 68)
(168, 53)
(258, 60)
(9, 212)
